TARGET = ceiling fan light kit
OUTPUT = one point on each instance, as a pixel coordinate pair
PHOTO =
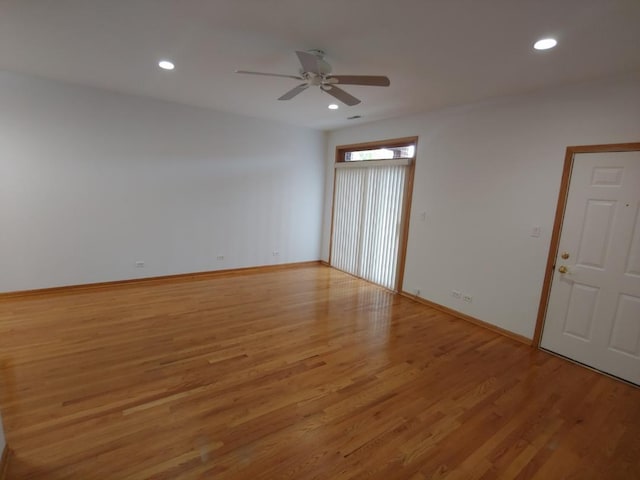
(316, 72)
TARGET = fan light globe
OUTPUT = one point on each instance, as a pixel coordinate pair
(333, 106)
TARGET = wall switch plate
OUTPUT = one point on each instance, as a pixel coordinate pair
(535, 231)
(467, 298)
(275, 253)
(456, 294)
(139, 264)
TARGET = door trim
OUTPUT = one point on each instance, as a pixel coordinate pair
(557, 225)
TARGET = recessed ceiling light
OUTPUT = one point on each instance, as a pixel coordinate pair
(333, 106)
(166, 65)
(545, 44)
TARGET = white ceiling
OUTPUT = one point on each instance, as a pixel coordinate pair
(436, 52)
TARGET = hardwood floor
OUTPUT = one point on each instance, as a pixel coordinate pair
(304, 373)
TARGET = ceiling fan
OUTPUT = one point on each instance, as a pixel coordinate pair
(316, 71)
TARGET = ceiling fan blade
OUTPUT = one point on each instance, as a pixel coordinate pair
(341, 95)
(247, 72)
(294, 91)
(371, 80)
(309, 62)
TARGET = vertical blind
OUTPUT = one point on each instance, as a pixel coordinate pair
(367, 216)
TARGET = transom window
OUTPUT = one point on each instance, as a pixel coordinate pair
(382, 153)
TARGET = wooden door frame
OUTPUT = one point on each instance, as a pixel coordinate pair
(557, 225)
(406, 201)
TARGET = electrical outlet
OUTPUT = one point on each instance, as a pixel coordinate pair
(456, 294)
(417, 292)
(139, 264)
(220, 257)
(467, 298)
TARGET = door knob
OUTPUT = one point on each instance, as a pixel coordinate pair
(565, 255)
(563, 269)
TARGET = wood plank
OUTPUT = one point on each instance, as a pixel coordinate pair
(300, 373)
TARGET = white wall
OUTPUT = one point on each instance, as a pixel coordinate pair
(92, 181)
(485, 175)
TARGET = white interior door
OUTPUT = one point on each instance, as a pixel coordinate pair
(593, 314)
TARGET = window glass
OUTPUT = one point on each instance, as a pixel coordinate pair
(385, 153)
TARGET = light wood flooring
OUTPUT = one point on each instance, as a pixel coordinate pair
(305, 373)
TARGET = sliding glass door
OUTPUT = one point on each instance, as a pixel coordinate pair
(370, 199)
